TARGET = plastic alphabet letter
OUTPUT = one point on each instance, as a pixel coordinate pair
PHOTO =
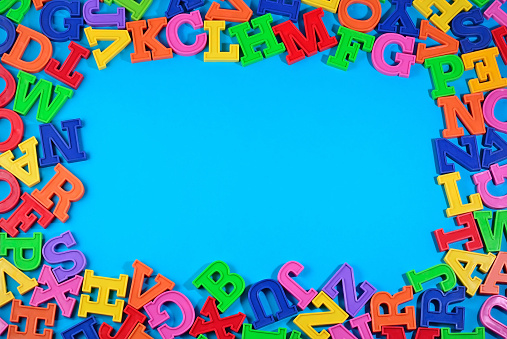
(499, 37)
(304, 297)
(360, 323)
(38, 4)
(56, 291)
(17, 14)
(94, 19)
(441, 301)
(53, 257)
(345, 275)
(492, 236)
(9, 202)
(494, 11)
(85, 327)
(478, 333)
(249, 333)
(73, 24)
(25, 36)
(487, 319)
(19, 246)
(195, 21)
(33, 316)
(441, 78)
(308, 321)
(348, 47)
(137, 299)
(397, 332)
(299, 45)
(138, 332)
(217, 287)
(66, 73)
(447, 11)
(399, 21)
(55, 187)
(43, 91)
(456, 259)
(472, 120)
(137, 9)
(280, 7)
(360, 25)
(481, 33)
(120, 39)
(134, 317)
(50, 138)
(157, 316)
(25, 283)
(403, 61)
(3, 326)
(495, 275)
(240, 13)
(489, 109)
(468, 159)
(493, 139)
(328, 5)
(497, 174)
(104, 286)
(456, 206)
(216, 324)
(427, 333)
(417, 279)
(24, 218)
(16, 167)
(147, 39)
(181, 6)
(17, 128)
(392, 316)
(214, 53)
(10, 31)
(285, 310)
(448, 45)
(486, 67)
(6, 97)
(469, 232)
(393, 332)
(248, 43)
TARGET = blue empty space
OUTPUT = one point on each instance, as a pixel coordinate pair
(192, 162)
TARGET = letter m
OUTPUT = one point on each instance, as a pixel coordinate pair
(299, 45)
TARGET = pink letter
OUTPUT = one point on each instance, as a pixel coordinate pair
(404, 60)
(486, 318)
(361, 323)
(153, 309)
(498, 175)
(56, 291)
(488, 109)
(495, 11)
(193, 19)
(295, 268)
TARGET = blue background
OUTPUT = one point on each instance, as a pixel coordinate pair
(192, 162)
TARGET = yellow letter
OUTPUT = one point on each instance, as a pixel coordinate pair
(456, 207)
(31, 176)
(214, 54)
(483, 262)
